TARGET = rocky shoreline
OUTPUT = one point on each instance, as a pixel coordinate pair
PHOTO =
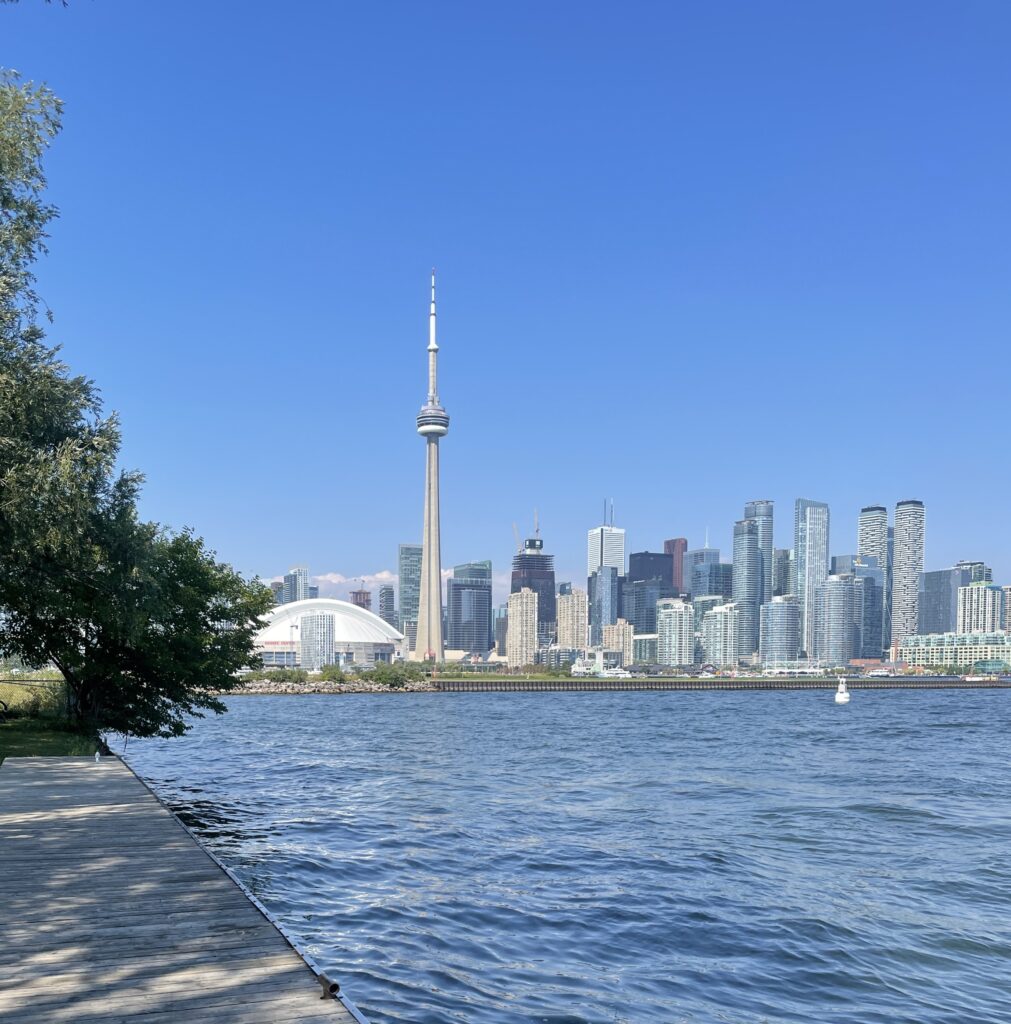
(269, 687)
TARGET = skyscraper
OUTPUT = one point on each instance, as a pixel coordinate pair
(980, 608)
(638, 601)
(675, 627)
(536, 570)
(651, 565)
(317, 632)
(387, 610)
(835, 620)
(719, 635)
(699, 556)
(782, 572)
(874, 540)
(868, 607)
(747, 584)
(676, 548)
(469, 624)
(710, 578)
(605, 545)
(761, 513)
(521, 631)
(937, 610)
(433, 423)
(296, 585)
(603, 595)
(906, 569)
(780, 631)
(573, 619)
(409, 569)
(810, 559)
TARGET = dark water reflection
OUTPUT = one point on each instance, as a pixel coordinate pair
(648, 857)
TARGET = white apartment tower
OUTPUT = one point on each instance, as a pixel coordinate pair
(980, 608)
(906, 568)
(605, 545)
(521, 631)
(573, 613)
(675, 627)
(720, 627)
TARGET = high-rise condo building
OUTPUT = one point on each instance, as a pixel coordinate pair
(675, 627)
(810, 559)
(712, 578)
(719, 635)
(409, 569)
(317, 643)
(296, 585)
(618, 637)
(694, 558)
(501, 628)
(782, 572)
(980, 608)
(868, 606)
(747, 584)
(277, 589)
(906, 569)
(605, 545)
(604, 594)
(676, 548)
(835, 621)
(469, 624)
(874, 540)
(534, 569)
(573, 619)
(521, 633)
(937, 610)
(362, 599)
(433, 424)
(1007, 610)
(760, 512)
(638, 602)
(387, 608)
(780, 631)
(651, 565)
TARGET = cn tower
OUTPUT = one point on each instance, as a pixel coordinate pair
(433, 423)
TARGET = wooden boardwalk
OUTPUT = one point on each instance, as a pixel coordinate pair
(110, 911)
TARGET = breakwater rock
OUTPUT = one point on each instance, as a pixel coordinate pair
(258, 687)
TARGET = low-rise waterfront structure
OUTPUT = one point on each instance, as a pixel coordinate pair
(939, 650)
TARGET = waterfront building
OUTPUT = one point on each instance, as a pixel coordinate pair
(760, 513)
(906, 568)
(521, 635)
(980, 608)
(719, 635)
(651, 565)
(277, 589)
(603, 597)
(324, 631)
(937, 610)
(1007, 609)
(501, 629)
(433, 424)
(957, 650)
(868, 607)
(296, 585)
(605, 545)
(747, 583)
(535, 570)
(676, 548)
(782, 572)
(387, 608)
(835, 621)
(675, 630)
(875, 540)
(409, 584)
(810, 554)
(469, 625)
(573, 619)
(779, 642)
(362, 599)
(618, 637)
(639, 599)
(713, 578)
(697, 557)
(644, 649)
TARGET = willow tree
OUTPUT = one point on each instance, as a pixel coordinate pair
(145, 624)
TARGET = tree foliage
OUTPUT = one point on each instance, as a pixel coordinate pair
(142, 622)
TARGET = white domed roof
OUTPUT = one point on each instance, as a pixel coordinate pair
(353, 625)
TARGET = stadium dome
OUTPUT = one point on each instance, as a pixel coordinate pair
(352, 625)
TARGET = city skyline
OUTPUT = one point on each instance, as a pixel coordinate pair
(711, 236)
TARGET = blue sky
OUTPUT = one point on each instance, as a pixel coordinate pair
(689, 255)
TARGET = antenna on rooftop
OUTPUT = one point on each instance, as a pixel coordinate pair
(537, 525)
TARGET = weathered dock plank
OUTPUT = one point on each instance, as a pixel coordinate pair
(112, 912)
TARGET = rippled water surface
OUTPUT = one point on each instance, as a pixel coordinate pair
(645, 857)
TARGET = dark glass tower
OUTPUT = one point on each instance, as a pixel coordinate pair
(469, 624)
(536, 570)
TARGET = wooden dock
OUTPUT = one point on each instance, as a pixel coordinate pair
(110, 911)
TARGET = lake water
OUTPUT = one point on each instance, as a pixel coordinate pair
(645, 857)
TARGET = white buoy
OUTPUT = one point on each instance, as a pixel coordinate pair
(97, 757)
(842, 695)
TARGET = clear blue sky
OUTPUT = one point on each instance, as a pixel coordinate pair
(689, 255)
